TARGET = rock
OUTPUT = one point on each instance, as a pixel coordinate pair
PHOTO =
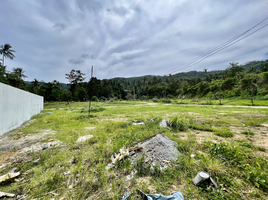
(163, 123)
(84, 138)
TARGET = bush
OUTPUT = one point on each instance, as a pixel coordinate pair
(180, 123)
(94, 98)
(166, 100)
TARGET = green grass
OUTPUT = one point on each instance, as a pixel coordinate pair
(235, 164)
(249, 132)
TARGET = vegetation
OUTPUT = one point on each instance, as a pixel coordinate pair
(210, 138)
(248, 81)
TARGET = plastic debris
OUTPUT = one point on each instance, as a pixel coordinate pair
(67, 173)
(89, 128)
(138, 123)
(8, 176)
(84, 138)
(203, 177)
(4, 194)
(174, 196)
(36, 161)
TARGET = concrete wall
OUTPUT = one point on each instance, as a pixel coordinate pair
(16, 107)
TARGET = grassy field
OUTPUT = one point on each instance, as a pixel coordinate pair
(230, 143)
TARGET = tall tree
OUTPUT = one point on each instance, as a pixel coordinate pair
(6, 52)
(75, 77)
(19, 72)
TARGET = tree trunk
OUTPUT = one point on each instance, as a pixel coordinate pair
(220, 100)
(3, 60)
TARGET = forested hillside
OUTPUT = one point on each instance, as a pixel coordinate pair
(249, 79)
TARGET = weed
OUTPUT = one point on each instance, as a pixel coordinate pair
(224, 132)
(248, 132)
(181, 124)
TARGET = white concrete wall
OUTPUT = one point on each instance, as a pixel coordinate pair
(16, 107)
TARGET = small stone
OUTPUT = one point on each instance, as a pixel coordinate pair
(163, 123)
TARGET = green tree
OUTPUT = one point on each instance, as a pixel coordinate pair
(6, 52)
(75, 77)
(19, 72)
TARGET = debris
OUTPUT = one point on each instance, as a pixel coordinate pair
(4, 194)
(138, 123)
(84, 138)
(21, 197)
(50, 140)
(163, 123)
(122, 153)
(8, 176)
(202, 177)
(67, 173)
(89, 128)
(36, 161)
(39, 147)
(158, 150)
(192, 155)
(174, 196)
(49, 112)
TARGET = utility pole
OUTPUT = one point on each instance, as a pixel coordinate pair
(90, 92)
(134, 94)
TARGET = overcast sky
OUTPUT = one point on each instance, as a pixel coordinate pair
(126, 38)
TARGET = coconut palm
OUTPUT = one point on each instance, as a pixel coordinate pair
(7, 52)
(19, 72)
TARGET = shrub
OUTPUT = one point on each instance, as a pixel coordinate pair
(166, 100)
(94, 98)
(180, 123)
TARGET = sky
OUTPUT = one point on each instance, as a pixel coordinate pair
(128, 38)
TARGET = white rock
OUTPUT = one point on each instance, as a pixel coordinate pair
(84, 138)
(163, 123)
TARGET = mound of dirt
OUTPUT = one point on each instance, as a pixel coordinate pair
(158, 150)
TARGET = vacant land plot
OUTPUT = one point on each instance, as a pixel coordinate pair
(230, 143)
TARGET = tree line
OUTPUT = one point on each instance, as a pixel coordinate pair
(249, 79)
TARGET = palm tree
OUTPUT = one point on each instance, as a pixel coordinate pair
(19, 72)
(7, 52)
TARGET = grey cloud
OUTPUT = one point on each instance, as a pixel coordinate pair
(85, 56)
(59, 26)
(152, 37)
(76, 61)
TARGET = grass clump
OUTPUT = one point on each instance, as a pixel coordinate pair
(248, 132)
(224, 132)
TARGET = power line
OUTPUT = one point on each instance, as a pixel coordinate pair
(220, 47)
